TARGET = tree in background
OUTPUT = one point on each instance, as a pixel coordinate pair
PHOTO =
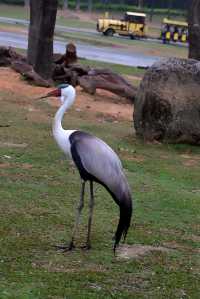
(151, 10)
(65, 4)
(140, 3)
(90, 4)
(122, 2)
(40, 38)
(194, 30)
(26, 3)
(170, 5)
(77, 4)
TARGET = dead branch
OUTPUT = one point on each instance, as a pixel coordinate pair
(66, 69)
(110, 81)
(27, 71)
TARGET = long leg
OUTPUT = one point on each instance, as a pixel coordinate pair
(78, 214)
(91, 208)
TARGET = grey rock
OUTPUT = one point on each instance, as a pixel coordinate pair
(167, 104)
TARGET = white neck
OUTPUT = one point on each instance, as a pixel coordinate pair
(67, 103)
(60, 135)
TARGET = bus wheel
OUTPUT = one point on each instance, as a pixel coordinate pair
(132, 36)
(109, 32)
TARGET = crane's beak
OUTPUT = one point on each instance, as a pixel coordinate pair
(53, 93)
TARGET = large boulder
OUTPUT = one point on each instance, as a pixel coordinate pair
(167, 104)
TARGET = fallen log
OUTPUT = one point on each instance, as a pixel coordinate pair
(92, 79)
(110, 82)
(66, 69)
(27, 71)
(7, 55)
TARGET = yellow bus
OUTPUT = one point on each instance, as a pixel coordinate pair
(176, 31)
(132, 25)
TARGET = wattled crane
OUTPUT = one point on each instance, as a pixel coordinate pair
(96, 162)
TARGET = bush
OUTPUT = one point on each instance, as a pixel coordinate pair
(15, 2)
(100, 6)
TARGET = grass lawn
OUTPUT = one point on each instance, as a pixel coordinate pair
(14, 11)
(39, 190)
(118, 68)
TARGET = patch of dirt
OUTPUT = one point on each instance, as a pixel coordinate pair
(10, 144)
(106, 103)
(189, 160)
(36, 115)
(4, 165)
(190, 163)
(21, 166)
(12, 82)
(26, 166)
(53, 266)
(174, 245)
(137, 251)
(193, 237)
(132, 157)
(103, 103)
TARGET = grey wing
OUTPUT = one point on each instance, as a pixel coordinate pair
(103, 163)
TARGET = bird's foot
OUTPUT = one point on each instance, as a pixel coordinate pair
(65, 248)
(115, 245)
(114, 237)
(86, 247)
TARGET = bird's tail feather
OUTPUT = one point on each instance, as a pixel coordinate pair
(124, 201)
(124, 220)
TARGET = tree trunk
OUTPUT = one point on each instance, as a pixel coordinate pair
(40, 39)
(194, 30)
(140, 3)
(151, 11)
(170, 5)
(90, 5)
(77, 4)
(26, 3)
(65, 4)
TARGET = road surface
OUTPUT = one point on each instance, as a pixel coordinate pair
(105, 54)
(88, 51)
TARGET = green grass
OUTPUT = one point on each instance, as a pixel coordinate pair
(118, 68)
(13, 11)
(39, 190)
(73, 22)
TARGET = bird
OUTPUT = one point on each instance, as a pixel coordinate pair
(96, 162)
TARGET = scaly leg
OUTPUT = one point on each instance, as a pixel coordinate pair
(79, 209)
(91, 208)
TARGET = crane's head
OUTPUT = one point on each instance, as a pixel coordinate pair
(64, 91)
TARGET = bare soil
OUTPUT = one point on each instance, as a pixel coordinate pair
(137, 251)
(103, 104)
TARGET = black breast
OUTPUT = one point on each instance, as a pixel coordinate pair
(74, 139)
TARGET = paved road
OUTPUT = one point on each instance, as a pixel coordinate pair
(60, 28)
(105, 54)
